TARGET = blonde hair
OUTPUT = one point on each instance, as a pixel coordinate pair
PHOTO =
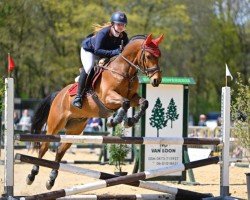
(98, 27)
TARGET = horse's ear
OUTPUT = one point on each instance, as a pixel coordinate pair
(148, 39)
(158, 40)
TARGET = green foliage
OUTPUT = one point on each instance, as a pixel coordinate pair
(157, 118)
(216, 39)
(44, 38)
(118, 152)
(241, 112)
(1, 94)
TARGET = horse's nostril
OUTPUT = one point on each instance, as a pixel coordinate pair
(155, 82)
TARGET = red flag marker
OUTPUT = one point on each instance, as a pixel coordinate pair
(11, 64)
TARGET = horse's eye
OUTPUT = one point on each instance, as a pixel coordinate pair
(149, 57)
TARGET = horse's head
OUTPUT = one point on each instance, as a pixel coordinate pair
(145, 54)
(149, 59)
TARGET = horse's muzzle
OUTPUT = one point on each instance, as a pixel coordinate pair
(155, 82)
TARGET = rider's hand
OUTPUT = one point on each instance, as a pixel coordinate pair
(117, 51)
(121, 48)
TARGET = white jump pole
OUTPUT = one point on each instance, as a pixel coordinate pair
(225, 114)
(9, 137)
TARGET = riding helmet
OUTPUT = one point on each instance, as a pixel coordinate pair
(119, 17)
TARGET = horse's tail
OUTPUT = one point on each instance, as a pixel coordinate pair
(41, 115)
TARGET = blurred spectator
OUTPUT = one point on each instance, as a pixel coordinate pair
(25, 121)
(25, 125)
(94, 124)
(219, 120)
(16, 119)
(212, 120)
(190, 120)
(202, 120)
(237, 152)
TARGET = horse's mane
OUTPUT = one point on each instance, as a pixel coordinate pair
(136, 37)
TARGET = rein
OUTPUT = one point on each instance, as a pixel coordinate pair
(135, 66)
(145, 70)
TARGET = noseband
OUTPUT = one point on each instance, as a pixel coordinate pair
(147, 71)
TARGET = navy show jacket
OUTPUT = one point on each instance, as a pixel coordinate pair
(104, 44)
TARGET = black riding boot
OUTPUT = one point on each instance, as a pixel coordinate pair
(81, 89)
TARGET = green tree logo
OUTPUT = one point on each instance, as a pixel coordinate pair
(171, 113)
(157, 118)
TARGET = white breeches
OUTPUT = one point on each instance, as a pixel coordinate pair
(88, 60)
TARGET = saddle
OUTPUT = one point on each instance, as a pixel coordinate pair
(73, 89)
(95, 73)
(93, 76)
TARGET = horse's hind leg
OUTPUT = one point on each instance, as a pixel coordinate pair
(54, 172)
(31, 177)
(76, 130)
(53, 128)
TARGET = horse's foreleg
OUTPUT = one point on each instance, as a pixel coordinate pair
(121, 113)
(143, 106)
(115, 98)
(31, 177)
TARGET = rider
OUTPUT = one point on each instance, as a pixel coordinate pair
(104, 43)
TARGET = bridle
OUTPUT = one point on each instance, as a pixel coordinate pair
(147, 71)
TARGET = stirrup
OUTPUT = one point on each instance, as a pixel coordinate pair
(77, 102)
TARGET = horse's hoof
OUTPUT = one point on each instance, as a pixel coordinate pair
(129, 122)
(110, 123)
(49, 184)
(30, 179)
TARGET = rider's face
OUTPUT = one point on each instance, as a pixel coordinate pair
(120, 27)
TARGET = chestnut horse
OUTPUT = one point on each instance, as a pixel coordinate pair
(115, 90)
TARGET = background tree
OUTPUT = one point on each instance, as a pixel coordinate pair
(214, 42)
(241, 113)
(157, 118)
(44, 38)
(171, 113)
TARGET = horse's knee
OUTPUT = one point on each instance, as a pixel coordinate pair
(126, 105)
